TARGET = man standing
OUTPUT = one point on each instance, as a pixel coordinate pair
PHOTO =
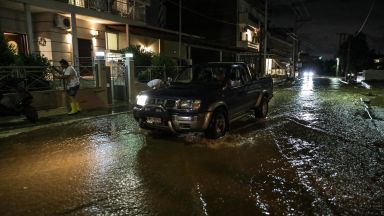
(72, 82)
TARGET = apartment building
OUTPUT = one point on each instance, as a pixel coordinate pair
(70, 29)
(75, 30)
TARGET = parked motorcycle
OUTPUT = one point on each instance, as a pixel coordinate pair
(19, 103)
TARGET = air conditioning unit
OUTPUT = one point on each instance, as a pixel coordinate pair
(62, 22)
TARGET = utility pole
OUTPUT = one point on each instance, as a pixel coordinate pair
(265, 36)
(347, 67)
(180, 8)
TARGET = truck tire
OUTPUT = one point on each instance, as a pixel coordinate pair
(218, 125)
(262, 110)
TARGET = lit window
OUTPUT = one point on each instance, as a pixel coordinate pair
(112, 41)
(79, 3)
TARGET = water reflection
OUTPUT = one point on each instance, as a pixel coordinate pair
(307, 85)
(307, 100)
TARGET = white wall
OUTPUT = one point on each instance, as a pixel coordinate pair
(56, 43)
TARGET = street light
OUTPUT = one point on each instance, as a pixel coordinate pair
(337, 66)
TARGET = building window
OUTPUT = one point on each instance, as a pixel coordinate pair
(79, 3)
(112, 41)
(18, 42)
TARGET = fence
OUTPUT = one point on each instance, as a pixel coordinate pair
(35, 78)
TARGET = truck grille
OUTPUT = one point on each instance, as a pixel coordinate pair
(167, 103)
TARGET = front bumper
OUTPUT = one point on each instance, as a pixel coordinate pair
(157, 117)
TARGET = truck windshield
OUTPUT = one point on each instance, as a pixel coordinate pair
(203, 74)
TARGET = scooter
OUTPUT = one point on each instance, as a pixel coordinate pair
(19, 103)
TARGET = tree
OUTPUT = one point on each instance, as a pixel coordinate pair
(356, 54)
(141, 57)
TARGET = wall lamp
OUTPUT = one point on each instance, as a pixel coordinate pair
(95, 33)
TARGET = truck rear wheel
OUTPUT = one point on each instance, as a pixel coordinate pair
(262, 110)
(218, 125)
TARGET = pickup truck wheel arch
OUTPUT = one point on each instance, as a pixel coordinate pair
(218, 125)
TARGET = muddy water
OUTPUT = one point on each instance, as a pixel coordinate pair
(316, 153)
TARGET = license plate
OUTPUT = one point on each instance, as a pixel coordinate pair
(153, 120)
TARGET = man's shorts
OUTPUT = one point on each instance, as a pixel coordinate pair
(73, 90)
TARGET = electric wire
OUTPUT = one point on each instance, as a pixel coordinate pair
(366, 18)
(203, 15)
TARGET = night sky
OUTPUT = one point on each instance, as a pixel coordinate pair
(329, 17)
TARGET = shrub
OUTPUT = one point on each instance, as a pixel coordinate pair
(7, 53)
(163, 64)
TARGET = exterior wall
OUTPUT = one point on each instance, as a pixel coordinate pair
(52, 42)
(55, 43)
(171, 49)
(122, 40)
(12, 21)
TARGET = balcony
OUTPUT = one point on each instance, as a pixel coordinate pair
(250, 45)
(132, 9)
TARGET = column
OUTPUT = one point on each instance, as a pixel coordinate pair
(31, 44)
(75, 46)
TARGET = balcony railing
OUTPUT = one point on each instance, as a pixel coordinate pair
(132, 9)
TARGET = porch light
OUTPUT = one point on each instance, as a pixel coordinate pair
(95, 33)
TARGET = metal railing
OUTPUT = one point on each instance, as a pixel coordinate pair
(37, 78)
(132, 9)
(33, 78)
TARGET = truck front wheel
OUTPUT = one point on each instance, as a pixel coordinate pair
(262, 110)
(218, 125)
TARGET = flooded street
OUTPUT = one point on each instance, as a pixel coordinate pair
(317, 153)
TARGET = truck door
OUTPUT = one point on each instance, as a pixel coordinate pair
(251, 90)
(236, 93)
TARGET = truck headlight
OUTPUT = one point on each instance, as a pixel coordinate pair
(189, 104)
(141, 100)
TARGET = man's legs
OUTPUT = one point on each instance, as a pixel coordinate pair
(75, 108)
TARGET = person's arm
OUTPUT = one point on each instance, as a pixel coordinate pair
(61, 75)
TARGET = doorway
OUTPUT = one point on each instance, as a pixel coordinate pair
(85, 57)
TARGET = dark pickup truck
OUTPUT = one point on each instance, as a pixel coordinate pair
(204, 98)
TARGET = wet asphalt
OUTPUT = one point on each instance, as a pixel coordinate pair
(317, 153)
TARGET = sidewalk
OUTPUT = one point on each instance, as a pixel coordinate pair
(13, 125)
(376, 100)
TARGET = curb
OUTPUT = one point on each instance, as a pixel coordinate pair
(13, 132)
